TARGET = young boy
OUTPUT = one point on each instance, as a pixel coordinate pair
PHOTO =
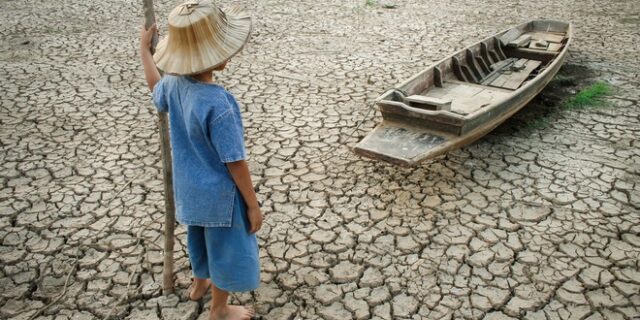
(214, 193)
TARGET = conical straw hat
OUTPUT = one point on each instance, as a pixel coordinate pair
(201, 37)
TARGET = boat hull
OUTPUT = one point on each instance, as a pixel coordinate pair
(409, 135)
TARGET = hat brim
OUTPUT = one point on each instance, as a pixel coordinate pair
(190, 60)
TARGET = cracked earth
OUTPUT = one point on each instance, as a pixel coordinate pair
(530, 222)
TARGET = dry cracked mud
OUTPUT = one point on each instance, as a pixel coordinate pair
(530, 222)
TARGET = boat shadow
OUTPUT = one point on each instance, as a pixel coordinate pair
(540, 113)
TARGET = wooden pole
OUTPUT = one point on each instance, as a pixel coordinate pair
(165, 147)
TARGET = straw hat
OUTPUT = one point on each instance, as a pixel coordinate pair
(201, 37)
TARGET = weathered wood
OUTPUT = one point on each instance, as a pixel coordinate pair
(437, 77)
(550, 26)
(419, 82)
(476, 109)
(470, 74)
(398, 143)
(471, 62)
(549, 37)
(496, 68)
(531, 54)
(482, 123)
(554, 47)
(510, 35)
(149, 20)
(167, 173)
(498, 48)
(507, 91)
(483, 65)
(521, 41)
(466, 98)
(404, 110)
(430, 103)
(502, 64)
(463, 71)
(515, 79)
(507, 74)
(494, 55)
(539, 44)
(427, 122)
(169, 215)
(457, 70)
(484, 51)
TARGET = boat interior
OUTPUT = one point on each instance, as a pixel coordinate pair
(485, 73)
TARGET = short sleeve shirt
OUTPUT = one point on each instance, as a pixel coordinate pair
(206, 132)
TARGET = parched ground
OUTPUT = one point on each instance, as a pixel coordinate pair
(537, 220)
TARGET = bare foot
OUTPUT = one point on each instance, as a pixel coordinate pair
(231, 313)
(198, 288)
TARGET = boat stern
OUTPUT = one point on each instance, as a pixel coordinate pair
(400, 144)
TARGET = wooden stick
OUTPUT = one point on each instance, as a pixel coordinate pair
(150, 19)
(165, 147)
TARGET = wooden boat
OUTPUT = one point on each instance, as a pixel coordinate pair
(466, 95)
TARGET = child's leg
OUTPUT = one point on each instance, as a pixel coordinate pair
(233, 264)
(220, 310)
(199, 261)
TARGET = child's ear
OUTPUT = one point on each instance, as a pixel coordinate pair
(221, 67)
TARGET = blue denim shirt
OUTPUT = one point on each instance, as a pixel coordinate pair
(206, 132)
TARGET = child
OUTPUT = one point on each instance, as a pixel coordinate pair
(214, 194)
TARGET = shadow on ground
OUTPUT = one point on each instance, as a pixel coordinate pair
(549, 104)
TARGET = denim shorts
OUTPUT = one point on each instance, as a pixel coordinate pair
(227, 255)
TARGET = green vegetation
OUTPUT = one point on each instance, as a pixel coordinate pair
(539, 123)
(370, 3)
(589, 97)
(564, 80)
(631, 20)
(51, 30)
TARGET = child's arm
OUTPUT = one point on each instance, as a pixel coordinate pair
(150, 71)
(240, 172)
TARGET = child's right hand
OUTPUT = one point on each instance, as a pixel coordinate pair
(239, 171)
(146, 36)
(255, 219)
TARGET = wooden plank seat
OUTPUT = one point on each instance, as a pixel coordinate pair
(429, 103)
(462, 97)
(515, 38)
(532, 45)
(542, 41)
(511, 75)
(546, 36)
(522, 41)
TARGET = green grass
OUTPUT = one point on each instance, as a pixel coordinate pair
(564, 80)
(50, 30)
(589, 97)
(370, 3)
(631, 20)
(538, 123)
